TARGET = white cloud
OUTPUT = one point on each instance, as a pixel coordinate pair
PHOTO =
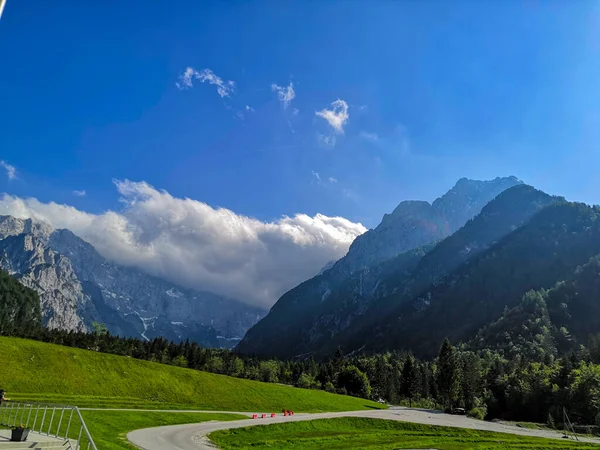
(249, 108)
(285, 93)
(373, 137)
(11, 171)
(81, 193)
(332, 180)
(337, 116)
(193, 244)
(224, 88)
(329, 141)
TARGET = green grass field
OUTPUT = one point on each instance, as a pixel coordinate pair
(37, 371)
(360, 433)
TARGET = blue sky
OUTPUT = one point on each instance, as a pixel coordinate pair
(451, 89)
(434, 90)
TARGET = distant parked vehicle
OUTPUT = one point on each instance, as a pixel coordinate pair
(458, 411)
(382, 401)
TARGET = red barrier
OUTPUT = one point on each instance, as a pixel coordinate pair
(272, 414)
(255, 416)
(264, 416)
(285, 413)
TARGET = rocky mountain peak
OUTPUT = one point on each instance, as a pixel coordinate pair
(414, 223)
(466, 199)
(11, 226)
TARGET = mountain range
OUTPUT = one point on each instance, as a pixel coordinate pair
(417, 244)
(494, 264)
(77, 287)
(525, 261)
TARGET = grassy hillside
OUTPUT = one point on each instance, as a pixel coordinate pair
(38, 371)
(354, 432)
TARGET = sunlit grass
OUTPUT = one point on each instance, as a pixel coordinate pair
(362, 433)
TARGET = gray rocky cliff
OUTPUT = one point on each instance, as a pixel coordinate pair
(63, 301)
(78, 286)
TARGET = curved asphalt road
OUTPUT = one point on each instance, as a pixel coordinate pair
(193, 436)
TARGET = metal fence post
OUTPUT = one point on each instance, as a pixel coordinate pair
(12, 407)
(36, 416)
(69, 425)
(51, 420)
(22, 413)
(62, 413)
(29, 415)
(79, 438)
(43, 419)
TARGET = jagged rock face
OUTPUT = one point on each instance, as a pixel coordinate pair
(50, 274)
(411, 225)
(468, 197)
(311, 314)
(416, 223)
(78, 286)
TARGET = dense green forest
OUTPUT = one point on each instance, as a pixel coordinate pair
(20, 309)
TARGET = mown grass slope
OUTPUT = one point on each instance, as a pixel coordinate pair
(34, 370)
(362, 433)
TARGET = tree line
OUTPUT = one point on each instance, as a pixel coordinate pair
(483, 382)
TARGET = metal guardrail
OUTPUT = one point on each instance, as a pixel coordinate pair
(40, 418)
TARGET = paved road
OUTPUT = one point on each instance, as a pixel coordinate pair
(193, 436)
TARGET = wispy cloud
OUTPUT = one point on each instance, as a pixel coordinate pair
(337, 116)
(285, 94)
(224, 88)
(249, 108)
(373, 137)
(81, 193)
(323, 181)
(329, 141)
(11, 171)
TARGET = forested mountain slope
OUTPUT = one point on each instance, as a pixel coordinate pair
(376, 266)
(545, 250)
(549, 322)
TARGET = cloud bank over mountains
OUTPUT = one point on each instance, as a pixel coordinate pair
(193, 244)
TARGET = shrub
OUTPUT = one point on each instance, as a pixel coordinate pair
(329, 387)
(478, 412)
(307, 381)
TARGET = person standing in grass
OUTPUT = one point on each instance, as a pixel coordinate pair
(2, 398)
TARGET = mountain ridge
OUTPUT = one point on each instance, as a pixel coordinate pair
(78, 286)
(308, 313)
